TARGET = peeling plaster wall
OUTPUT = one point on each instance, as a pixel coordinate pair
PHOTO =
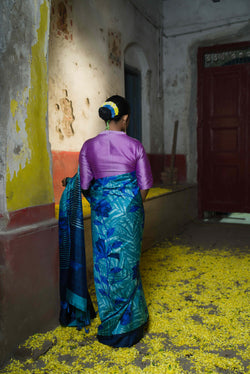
(82, 75)
(201, 23)
(25, 174)
(28, 229)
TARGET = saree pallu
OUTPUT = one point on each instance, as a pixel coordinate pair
(76, 306)
(117, 218)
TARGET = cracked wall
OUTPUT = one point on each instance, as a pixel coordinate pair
(88, 41)
(26, 178)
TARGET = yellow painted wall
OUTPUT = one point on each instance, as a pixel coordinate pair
(29, 183)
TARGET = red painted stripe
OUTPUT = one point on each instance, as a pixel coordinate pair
(157, 166)
(65, 164)
(31, 215)
(181, 166)
(159, 162)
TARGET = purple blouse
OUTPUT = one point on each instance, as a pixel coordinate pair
(113, 153)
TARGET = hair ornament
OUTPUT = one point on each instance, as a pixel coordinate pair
(112, 107)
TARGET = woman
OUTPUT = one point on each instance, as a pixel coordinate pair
(115, 176)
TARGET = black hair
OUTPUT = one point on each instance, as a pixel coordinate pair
(122, 105)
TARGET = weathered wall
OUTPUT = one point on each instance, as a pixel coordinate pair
(88, 44)
(25, 151)
(28, 232)
(151, 10)
(186, 28)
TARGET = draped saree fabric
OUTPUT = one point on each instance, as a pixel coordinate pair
(117, 216)
(117, 221)
(76, 306)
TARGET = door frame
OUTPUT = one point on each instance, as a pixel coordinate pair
(200, 86)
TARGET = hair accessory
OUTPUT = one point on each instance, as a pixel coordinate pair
(112, 107)
(107, 125)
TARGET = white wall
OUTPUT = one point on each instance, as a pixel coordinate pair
(189, 24)
(152, 10)
(81, 66)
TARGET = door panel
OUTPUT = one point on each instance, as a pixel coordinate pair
(223, 130)
(224, 139)
(224, 92)
(247, 135)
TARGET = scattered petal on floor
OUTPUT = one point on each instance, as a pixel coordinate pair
(199, 310)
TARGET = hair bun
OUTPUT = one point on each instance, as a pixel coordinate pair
(105, 113)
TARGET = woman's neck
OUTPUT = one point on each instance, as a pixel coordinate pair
(115, 126)
(120, 125)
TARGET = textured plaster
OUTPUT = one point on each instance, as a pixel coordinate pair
(28, 174)
(81, 66)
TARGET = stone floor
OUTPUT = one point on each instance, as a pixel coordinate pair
(215, 234)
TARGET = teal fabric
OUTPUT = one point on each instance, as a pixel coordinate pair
(76, 307)
(117, 216)
(78, 301)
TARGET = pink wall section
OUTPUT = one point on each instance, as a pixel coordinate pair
(31, 215)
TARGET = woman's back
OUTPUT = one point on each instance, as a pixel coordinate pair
(113, 153)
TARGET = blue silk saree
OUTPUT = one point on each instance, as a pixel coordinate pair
(76, 306)
(117, 221)
(117, 218)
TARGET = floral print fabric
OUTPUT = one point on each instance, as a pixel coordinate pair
(117, 216)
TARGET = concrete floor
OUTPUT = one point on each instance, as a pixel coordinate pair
(215, 235)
